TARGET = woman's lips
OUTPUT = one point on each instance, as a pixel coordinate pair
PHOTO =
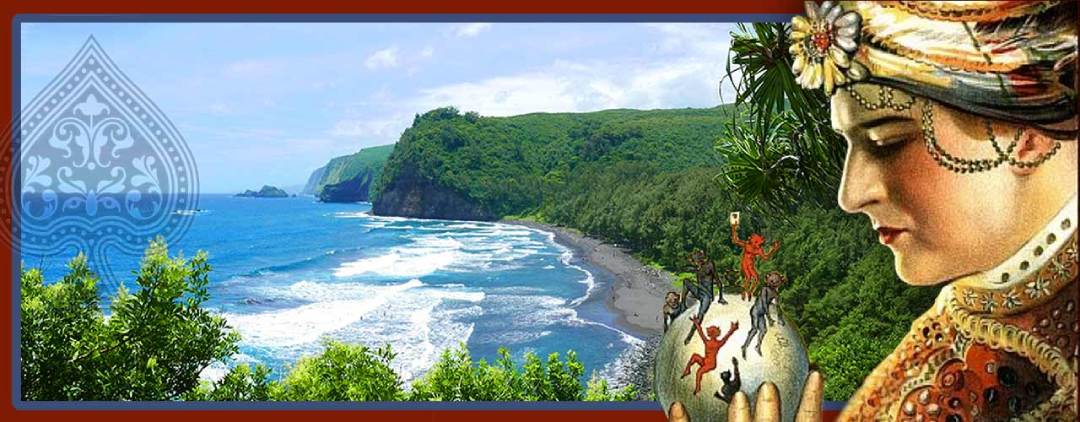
(887, 235)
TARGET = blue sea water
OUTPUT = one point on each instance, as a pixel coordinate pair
(289, 272)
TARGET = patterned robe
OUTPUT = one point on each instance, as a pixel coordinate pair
(999, 345)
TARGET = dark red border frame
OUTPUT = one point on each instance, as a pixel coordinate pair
(10, 8)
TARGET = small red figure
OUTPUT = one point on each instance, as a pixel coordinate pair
(712, 347)
(751, 251)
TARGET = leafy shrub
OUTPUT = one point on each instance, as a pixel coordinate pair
(456, 378)
(242, 383)
(152, 346)
(342, 372)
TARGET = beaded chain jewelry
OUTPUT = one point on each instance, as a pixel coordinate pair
(885, 99)
(961, 165)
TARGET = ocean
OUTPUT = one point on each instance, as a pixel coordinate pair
(289, 272)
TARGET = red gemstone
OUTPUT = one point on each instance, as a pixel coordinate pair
(821, 41)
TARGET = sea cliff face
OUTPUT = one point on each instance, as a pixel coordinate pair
(356, 189)
(412, 195)
(313, 181)
(348, 178)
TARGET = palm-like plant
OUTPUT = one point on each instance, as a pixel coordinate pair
(782, 151)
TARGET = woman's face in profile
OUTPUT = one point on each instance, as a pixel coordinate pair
(939, 224)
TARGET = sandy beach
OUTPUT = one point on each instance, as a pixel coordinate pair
(638, 291)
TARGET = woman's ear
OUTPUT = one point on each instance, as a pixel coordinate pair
(1031, 147)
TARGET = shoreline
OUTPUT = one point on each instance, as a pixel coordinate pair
(637, 292)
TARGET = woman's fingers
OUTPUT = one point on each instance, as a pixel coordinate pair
(767, 408)
(739, 409)
(677, 413)
(810, 405)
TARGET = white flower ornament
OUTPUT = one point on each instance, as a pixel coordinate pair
(822, 44)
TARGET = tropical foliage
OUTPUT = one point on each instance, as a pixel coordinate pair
(509, 165)
(457, 378)
(783, 150)
(151, 347)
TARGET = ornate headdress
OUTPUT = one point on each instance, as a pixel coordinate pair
(1007, 60)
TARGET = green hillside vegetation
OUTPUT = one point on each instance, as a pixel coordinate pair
(345, 167)
(158, 339)
(509, 165)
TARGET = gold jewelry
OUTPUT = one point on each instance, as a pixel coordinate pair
(885, 99)
(962, 165)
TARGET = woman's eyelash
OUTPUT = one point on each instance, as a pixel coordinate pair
(889, 145)
(891, 141)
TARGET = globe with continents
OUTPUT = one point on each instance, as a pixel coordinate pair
(782, 360)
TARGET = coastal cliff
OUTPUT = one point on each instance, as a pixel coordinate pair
(356, 189)
(348, 178)
(411, 195)
(313, 181)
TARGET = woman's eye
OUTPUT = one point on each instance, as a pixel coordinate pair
(888, 145)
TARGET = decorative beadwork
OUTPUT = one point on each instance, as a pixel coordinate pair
(886, 99)
(962, 165)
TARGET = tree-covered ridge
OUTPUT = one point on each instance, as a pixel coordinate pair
(158, 339)
(509, 165)
(346, 167)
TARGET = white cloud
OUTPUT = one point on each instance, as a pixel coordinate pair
(577, 87)
(372, 131)
(687, 72)
(427, 52)
(470, 30)
(382, 59)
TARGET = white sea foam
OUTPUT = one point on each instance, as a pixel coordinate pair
(429, 252)
(306, 323)
(420, 321)
(566, 258)
(417, 320)
(399, 263)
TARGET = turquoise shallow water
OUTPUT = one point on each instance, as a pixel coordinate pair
(289, 272)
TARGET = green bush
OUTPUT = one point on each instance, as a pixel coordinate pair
(455, 377)
(342, 372)
(152, 346)
(242, 383)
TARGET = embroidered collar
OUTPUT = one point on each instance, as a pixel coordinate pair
(1031, 276)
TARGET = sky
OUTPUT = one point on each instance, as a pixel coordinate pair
(268, 103)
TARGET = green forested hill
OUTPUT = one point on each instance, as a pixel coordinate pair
(508, 165)
(368, 161)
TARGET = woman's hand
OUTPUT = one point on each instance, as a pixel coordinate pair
(768, 404)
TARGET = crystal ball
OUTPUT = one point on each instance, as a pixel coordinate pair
(783, 360)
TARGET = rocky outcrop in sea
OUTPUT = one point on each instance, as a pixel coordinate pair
(267, 191)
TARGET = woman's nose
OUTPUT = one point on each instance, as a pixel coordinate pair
(861, 184)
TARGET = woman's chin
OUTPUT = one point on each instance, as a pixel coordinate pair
(922, 272)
